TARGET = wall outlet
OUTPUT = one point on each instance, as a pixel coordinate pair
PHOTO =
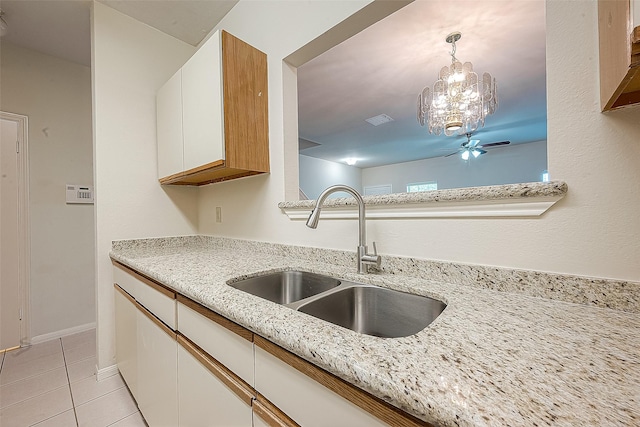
(218, 214)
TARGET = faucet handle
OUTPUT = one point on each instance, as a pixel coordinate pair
(372, 259)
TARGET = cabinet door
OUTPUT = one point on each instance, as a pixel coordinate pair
(204, 400)
(157, 371)
(202, 106)
(126, 339)
(169, 127)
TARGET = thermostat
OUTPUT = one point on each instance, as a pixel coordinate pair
(79, 194)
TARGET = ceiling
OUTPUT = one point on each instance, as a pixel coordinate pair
(382, 69)
(62, 28)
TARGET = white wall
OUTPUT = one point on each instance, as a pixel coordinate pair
(593, 231)
(56, 96)
(130, 61)
(318, 174)
(504, 165)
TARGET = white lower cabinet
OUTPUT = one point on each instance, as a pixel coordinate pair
(126, 339)
(204, 400)
(306, 401)
(157, 389)
(259, 422)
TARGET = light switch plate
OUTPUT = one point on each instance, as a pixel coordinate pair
(79, 194)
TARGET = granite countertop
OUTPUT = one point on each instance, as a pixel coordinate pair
(490, 359)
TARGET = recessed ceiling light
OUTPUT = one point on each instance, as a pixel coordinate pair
(379, 120)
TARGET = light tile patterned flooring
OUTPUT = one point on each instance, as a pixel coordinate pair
(53, 384)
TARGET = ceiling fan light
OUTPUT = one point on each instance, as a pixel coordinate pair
(465, 155)
(476, 153)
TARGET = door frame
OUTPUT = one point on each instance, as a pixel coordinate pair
(24, 230)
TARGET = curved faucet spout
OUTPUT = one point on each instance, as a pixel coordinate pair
(312, 222)
(364, 259)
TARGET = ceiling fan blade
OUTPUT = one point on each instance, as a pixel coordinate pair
(474, 143)
(481, 151)
(494, 144)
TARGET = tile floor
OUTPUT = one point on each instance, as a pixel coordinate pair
(53, 384)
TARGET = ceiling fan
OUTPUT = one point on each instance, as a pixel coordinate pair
(471, 147)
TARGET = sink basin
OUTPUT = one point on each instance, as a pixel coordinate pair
(375, 311)
(285, 287)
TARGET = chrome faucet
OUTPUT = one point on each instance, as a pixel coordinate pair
(364, 259)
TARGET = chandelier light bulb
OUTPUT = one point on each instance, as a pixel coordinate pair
(459, 101)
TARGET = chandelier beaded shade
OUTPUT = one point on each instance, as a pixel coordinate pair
(458, 103)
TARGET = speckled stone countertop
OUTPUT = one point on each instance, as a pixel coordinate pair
(492, 192)
(490, 359)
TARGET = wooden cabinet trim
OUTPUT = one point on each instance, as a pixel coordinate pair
(159, 323)
(147, 281)
(220, 320)
(619, 56)
(124, 293)
(246, 105)
(271, 414)
(372, 404)
(209, 176)
(238, 386)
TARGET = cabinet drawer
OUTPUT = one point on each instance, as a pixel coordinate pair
(125, 280)
(307, 402)
(202, 327)
(314, 397)
(156, 298)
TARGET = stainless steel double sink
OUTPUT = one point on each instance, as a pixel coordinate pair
(366, 309)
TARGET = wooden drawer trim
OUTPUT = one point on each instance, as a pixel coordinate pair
(240, 388)
(271, 414)
(124, 293)
(167, 330)
(220, 320)
(147, 281)
(372, 404)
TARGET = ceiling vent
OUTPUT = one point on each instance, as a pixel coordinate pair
(379, 120)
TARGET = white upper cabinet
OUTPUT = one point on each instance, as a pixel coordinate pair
(169, 116)
(202, 109)
(213, 115)
(619, 38)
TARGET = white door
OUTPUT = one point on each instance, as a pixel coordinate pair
(9, 285)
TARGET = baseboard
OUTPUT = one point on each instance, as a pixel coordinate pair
(63, 333)
(107, 372)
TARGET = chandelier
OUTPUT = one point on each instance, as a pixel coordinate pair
(458, 102)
